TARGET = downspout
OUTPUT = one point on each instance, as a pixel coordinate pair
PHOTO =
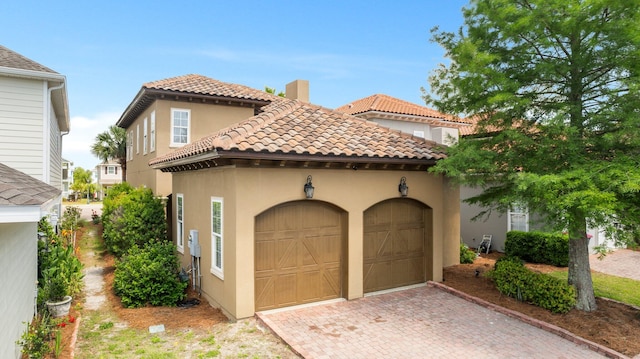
(48, 141)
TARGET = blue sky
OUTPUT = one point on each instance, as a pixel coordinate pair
(346, 49)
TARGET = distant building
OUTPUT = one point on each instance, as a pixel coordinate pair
(107, 175)
(67, 177)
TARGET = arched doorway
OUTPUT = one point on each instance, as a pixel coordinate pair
(298, 254)
(395, 244)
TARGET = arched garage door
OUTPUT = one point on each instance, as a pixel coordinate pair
(298, 254)
(394, 244)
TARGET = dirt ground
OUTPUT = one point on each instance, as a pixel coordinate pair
(614, 325)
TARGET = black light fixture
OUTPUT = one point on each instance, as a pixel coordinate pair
(308, 187)
(402, 187)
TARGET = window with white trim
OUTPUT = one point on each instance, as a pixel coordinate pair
(217, 244)
(152, 135)
(180, 120)
(518, 218)
(144, 137)
(417, 133)
(111, 170)
(137, 138)
(130, 146)
(180, 222)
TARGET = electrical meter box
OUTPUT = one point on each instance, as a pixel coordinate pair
(194, 243)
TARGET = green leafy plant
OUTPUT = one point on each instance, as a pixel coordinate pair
(132, 217)
(538, 247)
(35, 339)
(466, 255)
(513, 279)
(149, 275)
(54, 288)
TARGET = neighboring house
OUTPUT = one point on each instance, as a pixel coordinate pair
(67, 178)
(107, 175)
(240, 213)
(34, 115)
(497, 224)
(407, 117)
(23, 201)
(168, 114)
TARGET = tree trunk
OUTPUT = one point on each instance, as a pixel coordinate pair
(579, 268)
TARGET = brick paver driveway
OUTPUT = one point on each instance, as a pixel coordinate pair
(423, 322)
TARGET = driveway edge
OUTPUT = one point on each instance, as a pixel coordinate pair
(609, 353)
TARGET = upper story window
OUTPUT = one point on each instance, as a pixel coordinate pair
(137, 138)
(144, 137)
(152, 135)
(130, 146)
(111, 170)
(180, 121)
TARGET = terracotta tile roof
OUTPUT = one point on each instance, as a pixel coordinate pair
(198, 84)
(388, 104)
(12, 59)
(291, 127)
(193, 86)
(20, 189)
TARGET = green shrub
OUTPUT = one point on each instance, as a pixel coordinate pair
(466, 255)
(149, 275)
(35, 339)
(132, 217)
(60, 261)
(513, 279)
(538, 247)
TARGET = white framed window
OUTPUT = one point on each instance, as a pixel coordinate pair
(130, 146)
(144, 137)
(180, 222)
(417, 133)
(518, 218)
(111, 170)
(152, 135)
(217, 243)
(137, 138)
(180, 120)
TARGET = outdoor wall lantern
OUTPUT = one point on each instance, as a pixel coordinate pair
(308, 188)
(402, 187)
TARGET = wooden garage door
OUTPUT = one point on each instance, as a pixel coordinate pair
(297, 255)
(394, 245)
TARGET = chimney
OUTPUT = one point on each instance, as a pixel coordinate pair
(298, 90)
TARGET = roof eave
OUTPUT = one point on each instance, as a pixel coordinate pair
(146, 96)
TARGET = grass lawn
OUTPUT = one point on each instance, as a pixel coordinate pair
(609, 286)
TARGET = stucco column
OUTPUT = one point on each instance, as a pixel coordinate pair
(355, 256)
(451, 223)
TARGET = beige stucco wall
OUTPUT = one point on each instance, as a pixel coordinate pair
(205, 119)
(248, 192)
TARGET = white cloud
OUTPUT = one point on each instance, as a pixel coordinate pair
(76, 146)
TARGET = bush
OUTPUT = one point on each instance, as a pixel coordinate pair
(466, 255)
(538, 247)
(132, 217)
(149, 275)
(513, 279)
(35, 339)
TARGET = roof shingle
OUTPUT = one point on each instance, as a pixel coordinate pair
(20, 189)
(14, 60)
(198, 84)
(388, 104)
(295, 128)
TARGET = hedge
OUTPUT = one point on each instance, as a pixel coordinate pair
(538, 247)
(513, 279)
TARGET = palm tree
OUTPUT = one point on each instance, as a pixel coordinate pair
(112, 145)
